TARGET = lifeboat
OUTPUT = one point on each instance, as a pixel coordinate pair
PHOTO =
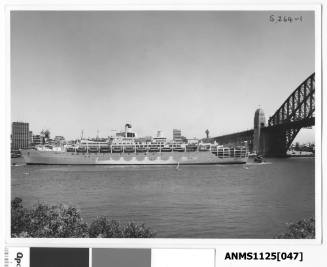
(178, 149)
(116, 149)
(204, 148)
(191, 148)
(81, 149)
(154, 148)
(104, 149)
(70, 149)
(129, 149)
(166, 149)
(93, 149)
(141, 149)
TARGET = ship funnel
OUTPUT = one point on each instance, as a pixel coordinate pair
(128, 128)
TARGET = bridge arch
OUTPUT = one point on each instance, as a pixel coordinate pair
(297, 111)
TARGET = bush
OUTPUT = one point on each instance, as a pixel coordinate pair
(132, 230)
(19, 217)
(304, 229)
(103, 227)
(60, 221)
(46, 221)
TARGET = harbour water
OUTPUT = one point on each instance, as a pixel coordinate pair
(214, 201)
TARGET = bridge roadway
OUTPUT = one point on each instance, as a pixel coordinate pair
(272, 137)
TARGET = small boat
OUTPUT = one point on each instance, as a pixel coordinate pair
(258, 159)
(16, 154)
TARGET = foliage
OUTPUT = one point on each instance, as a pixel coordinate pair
(19, 217)
(303, 229)
(132, 230)
(46, 221)
(61, 221)
(103, 227)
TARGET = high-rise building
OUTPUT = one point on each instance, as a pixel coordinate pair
(20, 135)
(30, 138)
(177, 135)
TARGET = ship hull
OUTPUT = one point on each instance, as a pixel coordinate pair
(149, 158)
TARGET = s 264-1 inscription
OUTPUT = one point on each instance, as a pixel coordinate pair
(285, 19)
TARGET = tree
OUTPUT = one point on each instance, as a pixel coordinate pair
(61, 221)
(303, 229)
(46, 221)
(207, 133)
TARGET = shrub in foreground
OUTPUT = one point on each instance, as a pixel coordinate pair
(132, 230)
(46, 221)
(303, 229)
(103, 227)
(61, 221)
(19, 218)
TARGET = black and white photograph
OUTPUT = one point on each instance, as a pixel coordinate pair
(183, 124)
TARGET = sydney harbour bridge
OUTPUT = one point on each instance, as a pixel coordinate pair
(275, 137)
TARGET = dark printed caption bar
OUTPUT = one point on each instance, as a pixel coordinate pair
(264, 256)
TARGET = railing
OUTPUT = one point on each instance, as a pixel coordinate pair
(221, 152)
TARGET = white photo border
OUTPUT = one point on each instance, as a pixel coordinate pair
(166, 242)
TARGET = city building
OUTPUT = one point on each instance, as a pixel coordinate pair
(37, 139)
(20, 135)
(177, 135)
(30, 138)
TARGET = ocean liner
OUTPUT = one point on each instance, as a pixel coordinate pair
(126, 149)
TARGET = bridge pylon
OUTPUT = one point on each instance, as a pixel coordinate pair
(259, 124)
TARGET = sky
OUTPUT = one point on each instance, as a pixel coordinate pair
(158, 70)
